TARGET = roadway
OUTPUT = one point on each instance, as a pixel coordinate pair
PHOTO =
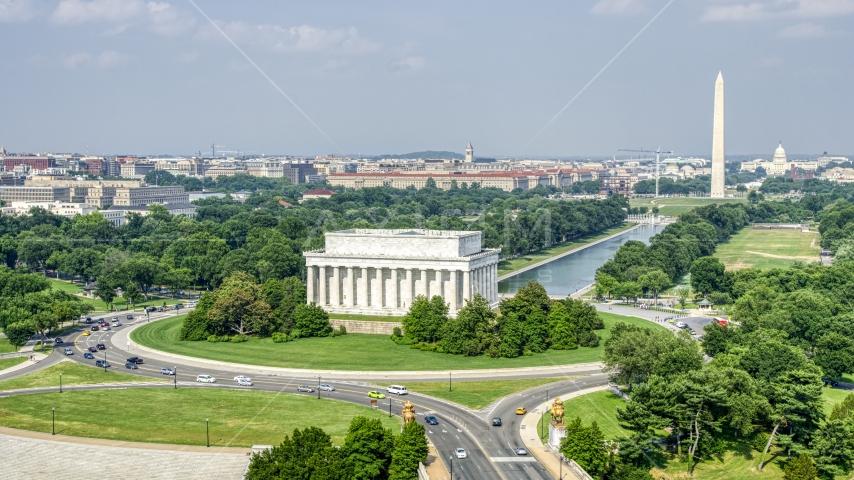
(490, 449)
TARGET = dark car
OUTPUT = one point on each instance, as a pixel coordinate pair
(830, 382)
(88, 355)
(496, 422)
(88, 319)
(95, 328)
(101, 346)
(150, 309)
(131, 365)
(58, 341)
(130, 317)
(135, 360)
(159, 309)
(178, 306)
(93, 349)
(102, 364)
(431, 420)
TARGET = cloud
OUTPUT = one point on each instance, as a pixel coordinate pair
(77, 60)
(304, 38)
(186, 57)
(16, 11)
(161, 17)
(808, 30)
(408, 64)
(770, 9)
(618, 7)
(106, 59)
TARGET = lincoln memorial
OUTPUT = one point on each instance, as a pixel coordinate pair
(380, 272)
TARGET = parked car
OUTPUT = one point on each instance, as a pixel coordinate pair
(326, 388)
(102, 363)
(521, 411)
(131, 365)
(681, 325)
(242, 377)
(93, 349)
(245, 383)
(376, 394)
(496, 422)
(167, 371)
(135, 360)
(305, 388)
(88, 355)
(205, 379)
(521, 451)
(431, 420)
(69, 351)
(461, 453)
(101, 346)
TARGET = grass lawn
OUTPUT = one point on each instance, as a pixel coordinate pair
(100, 306)
(511, 265)
(768, 249)
(677, 206)
(364, 318)
(6, 347)
(11, 362)
(238, 418)
(600, 407)
(72, 374)
(477, 394)
(832, 396)
(356, 351)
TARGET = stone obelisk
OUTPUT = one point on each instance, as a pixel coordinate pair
(718, 141)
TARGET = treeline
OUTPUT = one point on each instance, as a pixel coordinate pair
(528, 323)
(28, 305)
(370, 452)
(668, 186)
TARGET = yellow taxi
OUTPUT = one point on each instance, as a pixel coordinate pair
(86, 333)
(521, 411)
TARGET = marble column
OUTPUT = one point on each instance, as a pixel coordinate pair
(362, 296)
(407, 296)
(422, 290)
(452, 291)
(466, 286)
(309, 283)
(335, 287)
(348, 288)
(494, 282)
(377, 290)
(392, 294)
(322, 289)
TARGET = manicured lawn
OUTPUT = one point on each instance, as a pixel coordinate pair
(768, 249)
(356, 351)
(478, 394)
(100, 306)
(6, 347)
(832, 396)
(600, 407)
(72, 374)
(677, 206)
(11, 362)
(238, 418)
(364, 318)
(511, 265)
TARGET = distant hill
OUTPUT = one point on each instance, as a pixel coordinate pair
(427, 154)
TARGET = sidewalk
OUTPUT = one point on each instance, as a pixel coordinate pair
(37, 357)
(530, 435)
(636, 312)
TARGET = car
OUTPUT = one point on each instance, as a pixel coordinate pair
(106, 327)
(397, 389)
(192, 303)
(305, 388)
(830, 382)
(205, 379)
(117, 324)
(102, 324)
(131, 365)
(101, 346)
(58, 341)
(150, 309)
(129, 317)
(325, 387)
(521, 411)
(69, 351)
(681, 325)
(94, 328)
(167, 371)
(376, 394)
(88, 355)
(115, 319)
(178, 306)
(520, 451)
(461, 453)
(159, 309)
(135, 360)
(86, 333)
(102, 363)
(93, 349)
(88, 319)
(431, 420)
(242, 377)
(496, 422)
(245, 383)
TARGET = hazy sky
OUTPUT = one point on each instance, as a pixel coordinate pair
(146, 77)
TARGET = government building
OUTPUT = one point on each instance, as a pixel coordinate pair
(380, 272)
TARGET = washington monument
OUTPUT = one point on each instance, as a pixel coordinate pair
(718, 141)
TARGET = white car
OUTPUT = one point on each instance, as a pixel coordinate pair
(461, 453)
(326, 388)
(305, 388)
(397, 389)
(242, 378)
(117, 324)
(69, 351)
(244, 382)
(205, 379)
(681, 325)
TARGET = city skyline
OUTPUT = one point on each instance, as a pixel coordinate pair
(148, 78)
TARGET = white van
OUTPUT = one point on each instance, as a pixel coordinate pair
(396, 389)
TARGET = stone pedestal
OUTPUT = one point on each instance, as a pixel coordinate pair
(556, 433)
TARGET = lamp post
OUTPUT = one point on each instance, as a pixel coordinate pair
(318, 387)
(105, 361)
(208, 432)
(450, 382)
(53, 420)
(60, 382)
(389, 407)
(452, 468)
(176, 377)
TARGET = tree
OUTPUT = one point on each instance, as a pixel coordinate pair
(43, 322)
(241, 312)
(683, 293)
(707, 275)
(308, 455)
(832, 448)
(634, 353)
(835, 354)
(368, 449)
(312, 320)
(470, 333)
(19, 333)
(585, 445)
(410, 448)
(605, 284)
(425, 318)
(801, 467)
(562, 334)
(654, 281)
(628, 290)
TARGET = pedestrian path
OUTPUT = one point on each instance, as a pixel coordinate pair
(32, 359)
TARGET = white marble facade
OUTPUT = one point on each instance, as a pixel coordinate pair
(380, 272)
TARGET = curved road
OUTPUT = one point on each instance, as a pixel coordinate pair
(490, 449)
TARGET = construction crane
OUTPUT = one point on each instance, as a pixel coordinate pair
(657, 153)
(213, 149)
